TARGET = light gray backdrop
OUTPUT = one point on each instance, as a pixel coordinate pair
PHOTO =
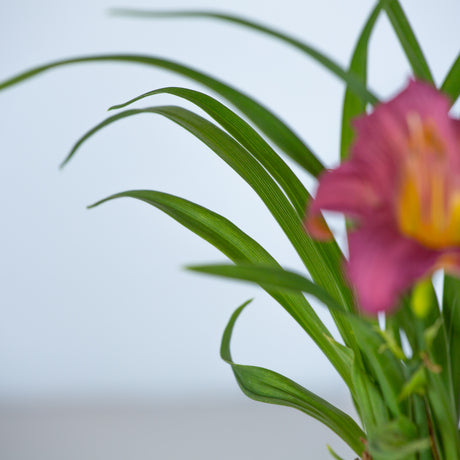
(95, 303)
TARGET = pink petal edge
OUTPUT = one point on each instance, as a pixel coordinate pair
(383, 264)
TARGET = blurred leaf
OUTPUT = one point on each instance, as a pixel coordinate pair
(439, 386)
(270, 387)
(422, 419)
(407, 39)
(415, 384)
(247, 137)
(353, 83)
(396, 440)
(404, 319)
(451, 315)
(434, 347)
(332, 452)
(391, 343)
(451, 84)
(268, 123)
(444, 415)
(439, 394)
(369, 401)
(432, 332)
(352, 104)
(385, 366)
(240, 248)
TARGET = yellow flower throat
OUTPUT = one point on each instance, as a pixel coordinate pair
(428, 204)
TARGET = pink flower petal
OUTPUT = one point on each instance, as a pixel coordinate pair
(344, 190)
(383, 264)
(383, 136)
(402, 185)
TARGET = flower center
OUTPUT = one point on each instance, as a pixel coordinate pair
(428, 205)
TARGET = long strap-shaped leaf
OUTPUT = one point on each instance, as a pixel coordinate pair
(369, 402)
(353, 83)
(353, 105)
(451, 315)
(247, 137)
(273, 278)
(268, 123)
(317, 257)
(407, 39)
(440, 397)
(322, 260)
(385, 366)
(451, 84)
(270, 387)
(241, 248)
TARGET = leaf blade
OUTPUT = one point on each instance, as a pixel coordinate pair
(451, 83)
(269, 276)
(384, 365)
(320, 259)
(241, 249)
(265, 120)
(270, 387)
(354, 84)
(353, 105)
(451, 316)
(407, 39)
(246, 136)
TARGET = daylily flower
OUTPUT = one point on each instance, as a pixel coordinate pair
(401, 190)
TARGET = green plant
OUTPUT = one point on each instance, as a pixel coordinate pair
(407, 402)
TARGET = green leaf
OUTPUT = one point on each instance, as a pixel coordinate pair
(353, 83)
(385, 366)
(396, 440)
(322, 260)
(268, 123)
(451, 84)
(422, 419)
(271, 277)
(247, 137)
(332, 452)
(352, 104)
(244, 164)
(241, 249)
(407, 39)
(403, 319)
(434, 343)
(415, 384)
(267, 386)
(444, 415)
(439, 386)
(368, 400)
(451, 315)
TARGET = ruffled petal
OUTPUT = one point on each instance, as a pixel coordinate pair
(402, 186)
(387, 126)
(383, 137)
(383, 264)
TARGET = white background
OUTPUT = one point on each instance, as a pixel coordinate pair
(95, 303)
